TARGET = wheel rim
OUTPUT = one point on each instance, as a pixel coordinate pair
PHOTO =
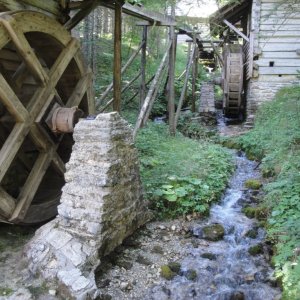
(40, 65)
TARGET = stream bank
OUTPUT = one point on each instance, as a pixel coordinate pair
(194, 265)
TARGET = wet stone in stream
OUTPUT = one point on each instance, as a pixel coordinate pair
(213, 269)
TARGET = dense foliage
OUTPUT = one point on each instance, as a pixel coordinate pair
(181, 176)
(276, 140)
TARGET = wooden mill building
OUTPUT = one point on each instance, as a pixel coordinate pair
(270, 33)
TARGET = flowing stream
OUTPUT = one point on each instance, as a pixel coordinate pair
(225, 269)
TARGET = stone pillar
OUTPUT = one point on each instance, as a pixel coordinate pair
(101, 205)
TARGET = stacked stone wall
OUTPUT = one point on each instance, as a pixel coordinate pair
(262, 90)
(101, 204)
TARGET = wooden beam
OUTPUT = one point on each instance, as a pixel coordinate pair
(37, 102)
(143, 65)
(124, 89)
(217, 53)
(144, 14)
(124, 68)
(85, 9)
(236, 30)
(117, 57)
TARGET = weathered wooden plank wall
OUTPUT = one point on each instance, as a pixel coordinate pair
(279, 38)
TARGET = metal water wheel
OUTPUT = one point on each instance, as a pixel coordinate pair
(42, 71)
(233, 81)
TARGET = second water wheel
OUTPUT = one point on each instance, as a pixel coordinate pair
(43, 79)
(233, 81)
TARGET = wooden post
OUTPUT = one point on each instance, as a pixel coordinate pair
(117, 57)
(194, 77)
(171, 76)
(185, 85)
(187, 64)
(143, 66)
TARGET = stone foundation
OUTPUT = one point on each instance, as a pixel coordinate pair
(101, 205)
(264, 89)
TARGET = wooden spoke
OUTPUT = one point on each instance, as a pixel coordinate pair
(26, 52)
(20, 75)
(11, 101)
(79, 91)
(31, 185)
(37, 101)
(7, 204)
(39, 138)
(59, 164)
(11, 147)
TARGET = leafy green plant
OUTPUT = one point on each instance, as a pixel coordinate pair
(181, 175)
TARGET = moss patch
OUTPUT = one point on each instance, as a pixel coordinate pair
(5, 291)
(213, 232)
(175, 267)
(253, 184)
(256, 250)
(252, 233)
(191, 274)
(209, 256)
(166, 272)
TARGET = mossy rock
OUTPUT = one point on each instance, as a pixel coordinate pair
(260, 212)
(253, 184)
(249, 211)
(267, 172)
(209, 256)
(250, 155)
(256, 249)
(231, 144)
(191, 274)
(5, 291)
(252, 233)
(166, 272)
(175, 267)
(213, 232)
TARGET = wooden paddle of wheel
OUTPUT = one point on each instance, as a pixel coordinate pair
(233, 80)
(41, 71)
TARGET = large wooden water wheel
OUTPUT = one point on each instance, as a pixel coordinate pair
(42, 72)
(233, 81)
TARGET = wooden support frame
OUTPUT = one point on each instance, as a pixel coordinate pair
(149, 98)
(124, 89)
(123, 70)
(171, 80)
(237, 31)
(183, 92)
(143, 65)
